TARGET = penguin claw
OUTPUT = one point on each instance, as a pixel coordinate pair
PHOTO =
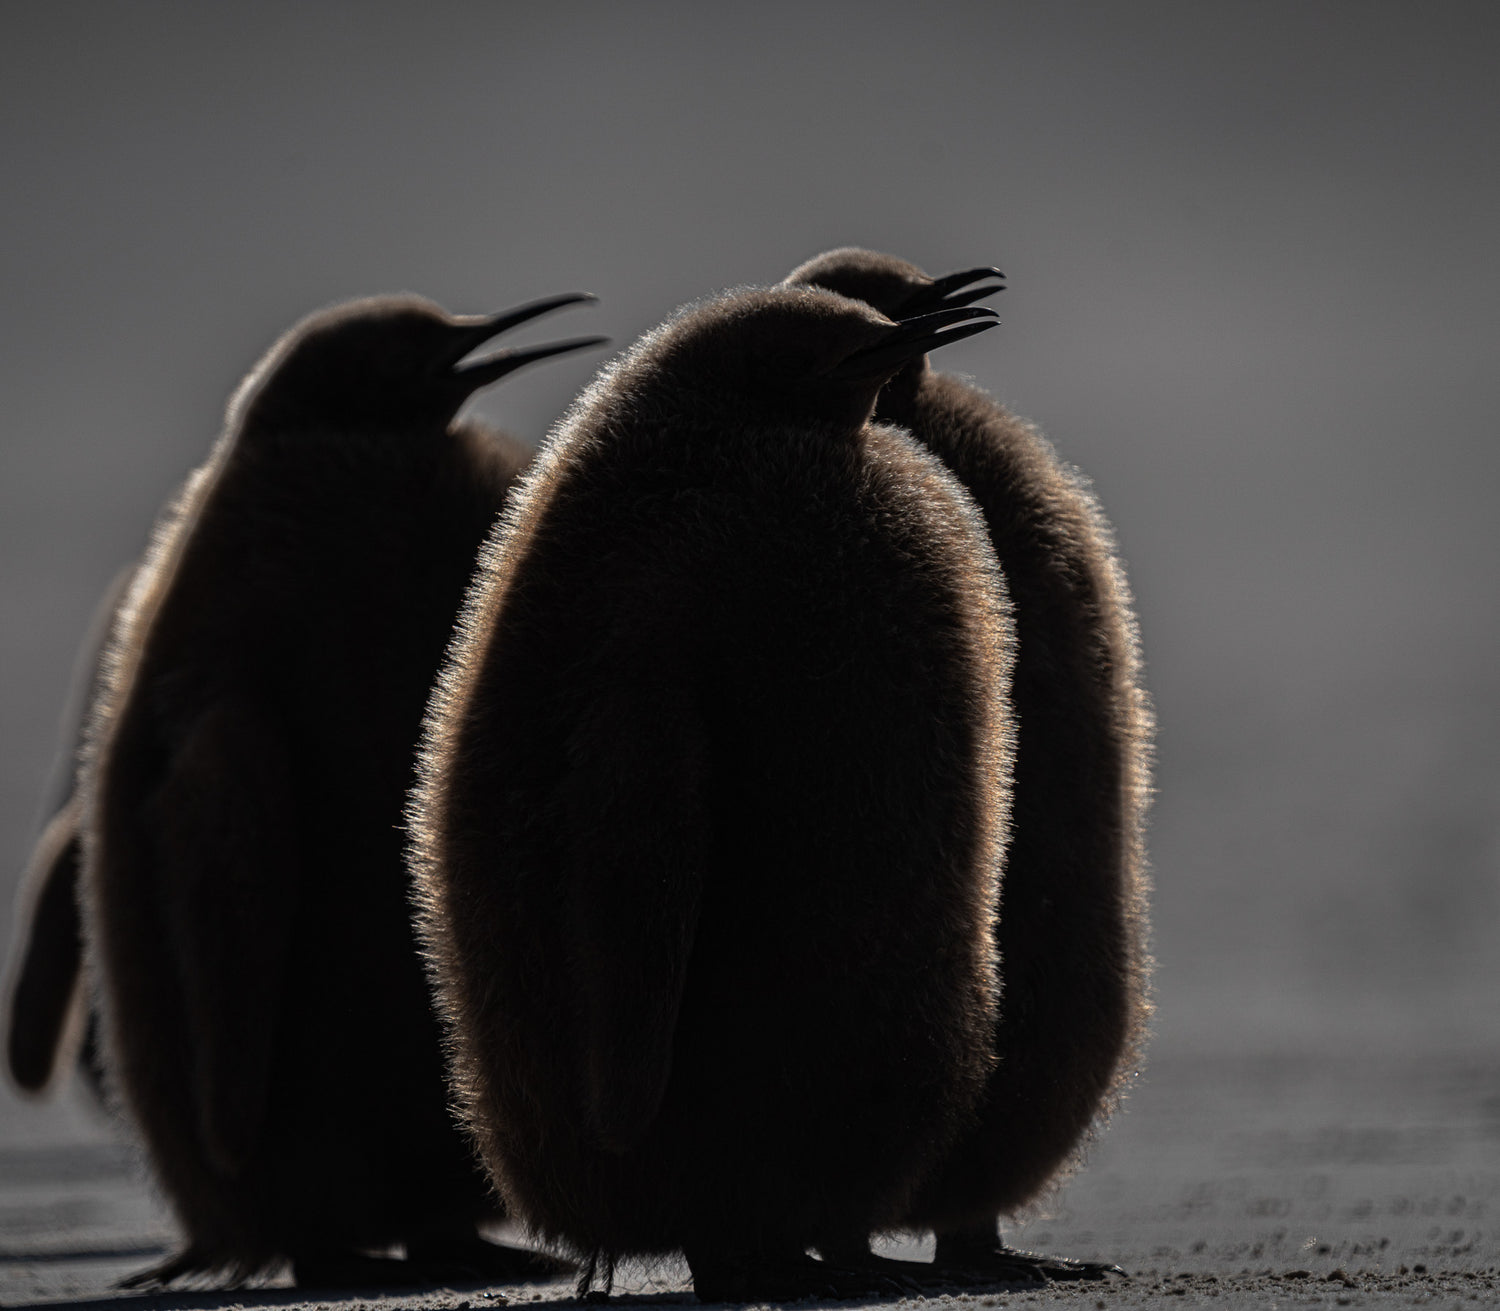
(1011, 1266)
(1065, 1269)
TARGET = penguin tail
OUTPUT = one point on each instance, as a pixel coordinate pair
(191, 1261)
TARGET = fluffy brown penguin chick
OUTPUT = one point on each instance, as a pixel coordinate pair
(266, 1022)
(713, 802)
(1072, 925)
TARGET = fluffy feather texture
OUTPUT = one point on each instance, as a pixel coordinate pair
(49, 1026)
(45, 1009)
(1073, 925)
(265, 1016)
(713, 805)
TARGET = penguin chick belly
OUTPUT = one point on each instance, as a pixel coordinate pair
(812, 646)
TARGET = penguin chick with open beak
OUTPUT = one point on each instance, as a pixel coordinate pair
(713, 802)
(1072, 924)
(266, 1022)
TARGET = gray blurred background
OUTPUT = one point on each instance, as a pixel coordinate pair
(1252, 252)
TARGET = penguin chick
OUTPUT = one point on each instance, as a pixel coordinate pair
(266, 1022)
(712, 805)
(1072, 928)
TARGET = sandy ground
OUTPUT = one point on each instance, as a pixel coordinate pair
(1232, 1180)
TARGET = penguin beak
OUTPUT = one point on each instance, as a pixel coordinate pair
(912, 338)
(480, 373)
(956, 289)
(471, 333)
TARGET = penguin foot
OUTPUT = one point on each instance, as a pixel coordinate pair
(911, 1276)
(1065, 1269)
(960, 1261)
(336, 1268)
(787, 1277)
(467, 1258)
(933, 1278)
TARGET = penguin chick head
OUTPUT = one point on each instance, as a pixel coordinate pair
(891, 285)
(794, 352)
(387, 363)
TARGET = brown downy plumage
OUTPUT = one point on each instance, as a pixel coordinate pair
(49, 1025)
(46, 1013)
(266, 1023)
(713, 803)
(1072, 924)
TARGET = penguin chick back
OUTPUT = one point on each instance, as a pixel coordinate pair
(1074, 925)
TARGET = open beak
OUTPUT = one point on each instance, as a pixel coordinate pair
(955, 290)
(914, 337)
(471, 333)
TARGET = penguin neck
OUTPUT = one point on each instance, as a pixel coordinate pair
(288, 465)
(900, 398)
(315, 442)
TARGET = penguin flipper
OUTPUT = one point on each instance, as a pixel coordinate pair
(47, 1006)
(225, 866)
(46, 1002)
(639, 834)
